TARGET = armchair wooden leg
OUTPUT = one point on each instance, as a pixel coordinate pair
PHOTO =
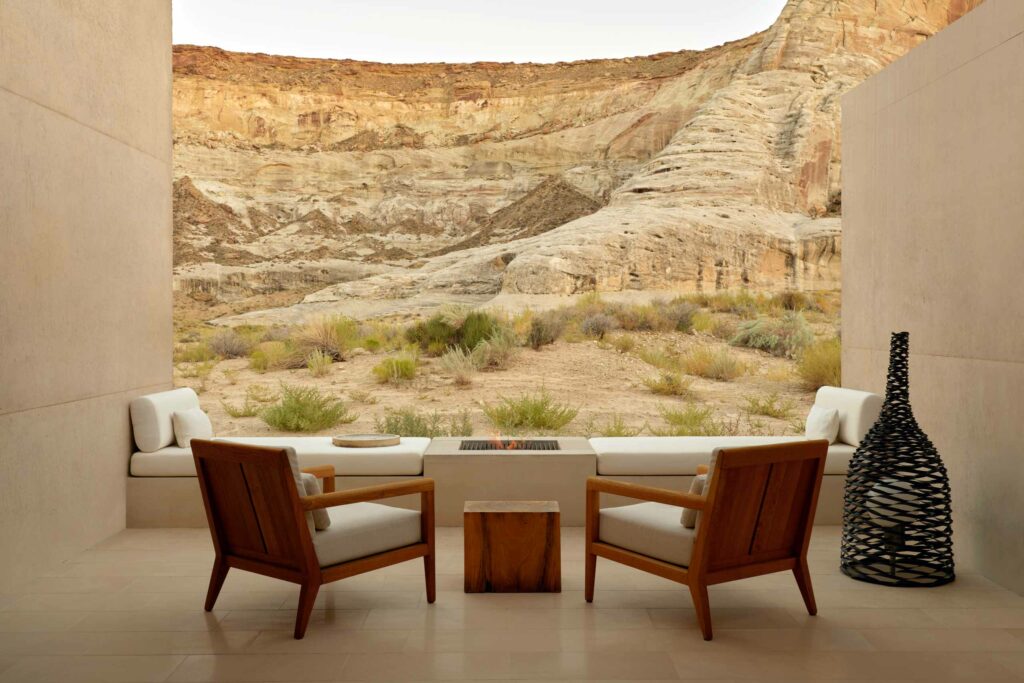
(307, 596)
(699, 593)
(427, 534)
(591, 576)
(220, 572)
(803, 581)
(431, 577)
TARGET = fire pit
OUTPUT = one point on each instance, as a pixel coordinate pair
(505, 468)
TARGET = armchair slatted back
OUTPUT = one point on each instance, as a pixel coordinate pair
(252, 504)
(760, 505)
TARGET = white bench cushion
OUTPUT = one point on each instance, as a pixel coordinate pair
(405, 459)
(651, 529)
(362, 529)
(680, 455)
(151, 417)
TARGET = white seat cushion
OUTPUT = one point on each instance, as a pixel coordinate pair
(680, 455)
(858, 410)
(151, 417)
(166, 462)
(651, 529)
(404, 459)
(362, 529)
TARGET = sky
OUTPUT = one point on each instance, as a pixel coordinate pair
(468, 30)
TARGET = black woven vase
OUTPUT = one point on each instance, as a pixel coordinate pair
(897, 516)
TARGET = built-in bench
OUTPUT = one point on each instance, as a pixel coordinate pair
(163, 490)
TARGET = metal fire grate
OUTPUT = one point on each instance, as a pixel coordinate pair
(509, 445)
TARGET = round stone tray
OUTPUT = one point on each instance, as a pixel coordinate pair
(366, 440)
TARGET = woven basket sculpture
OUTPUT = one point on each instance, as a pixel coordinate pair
(897, 517)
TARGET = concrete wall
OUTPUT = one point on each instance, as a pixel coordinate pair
(85, 263)
(933, 242)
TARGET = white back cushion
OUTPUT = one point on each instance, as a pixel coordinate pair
(151, 417)
(191, 424)
(858, 410)
(822, 423)
(321, 520)
(689, 517)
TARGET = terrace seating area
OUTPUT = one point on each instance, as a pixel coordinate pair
(162, 489)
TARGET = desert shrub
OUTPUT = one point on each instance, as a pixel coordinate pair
(702, 321)
(476, 328)
(670, 384)
(230, 344)
(194, 352)
(305, 409)
(623, 343)
(231, 376)
(411, 422)
(247, 409)
(537, 411)
(694, 420)
(364, 397)
(792, 300)
(496, 352)
(319, 363)
(614, 425)
(679, 314)
(396, 369)
(663, 358)
(433, 335)
(545, 328)
(785, 337)
(709, 363)
(598, 325)
(460, 365)
(821, 364)
(269, 355)
(769, 405)
(323, 335)
(637, 318)
(260, 393)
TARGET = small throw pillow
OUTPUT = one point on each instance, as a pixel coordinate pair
(191, 424)
(697, 486)
(321, 520)
(822, 423)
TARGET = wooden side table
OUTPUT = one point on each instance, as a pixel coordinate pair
(512, 546)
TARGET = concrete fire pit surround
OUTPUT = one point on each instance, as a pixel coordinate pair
(509, 475)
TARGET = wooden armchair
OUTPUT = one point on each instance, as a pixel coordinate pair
(755, 518)
(260, 522)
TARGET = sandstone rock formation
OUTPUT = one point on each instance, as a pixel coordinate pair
(682, 171)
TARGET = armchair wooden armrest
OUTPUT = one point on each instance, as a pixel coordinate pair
(323, 472)
(650, 493)
(368, 493)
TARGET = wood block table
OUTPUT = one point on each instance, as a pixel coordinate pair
(512, 546)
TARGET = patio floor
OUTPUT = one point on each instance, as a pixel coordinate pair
(130, 610)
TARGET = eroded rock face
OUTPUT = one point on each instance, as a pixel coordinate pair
(688, 170)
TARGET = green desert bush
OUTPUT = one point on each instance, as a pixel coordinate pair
(613, 425)
(476, 327)
(230, 344)
(433, 335)
(693, 420)
(663, 358)
(670, 384)
(623, 343)
(495, 352)
(319, 363)
(460, 365)
(821, 364)
(786, 337)
(412, 422)
(545, 328)
(260, 393)
(247, 409)
(194, 352)
(598, 325)
(396, 369)
(305, 409)
(529, 412)
(269, 355)
(717, 364)
(769, 405)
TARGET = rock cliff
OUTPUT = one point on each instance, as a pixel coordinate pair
(686, 170)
